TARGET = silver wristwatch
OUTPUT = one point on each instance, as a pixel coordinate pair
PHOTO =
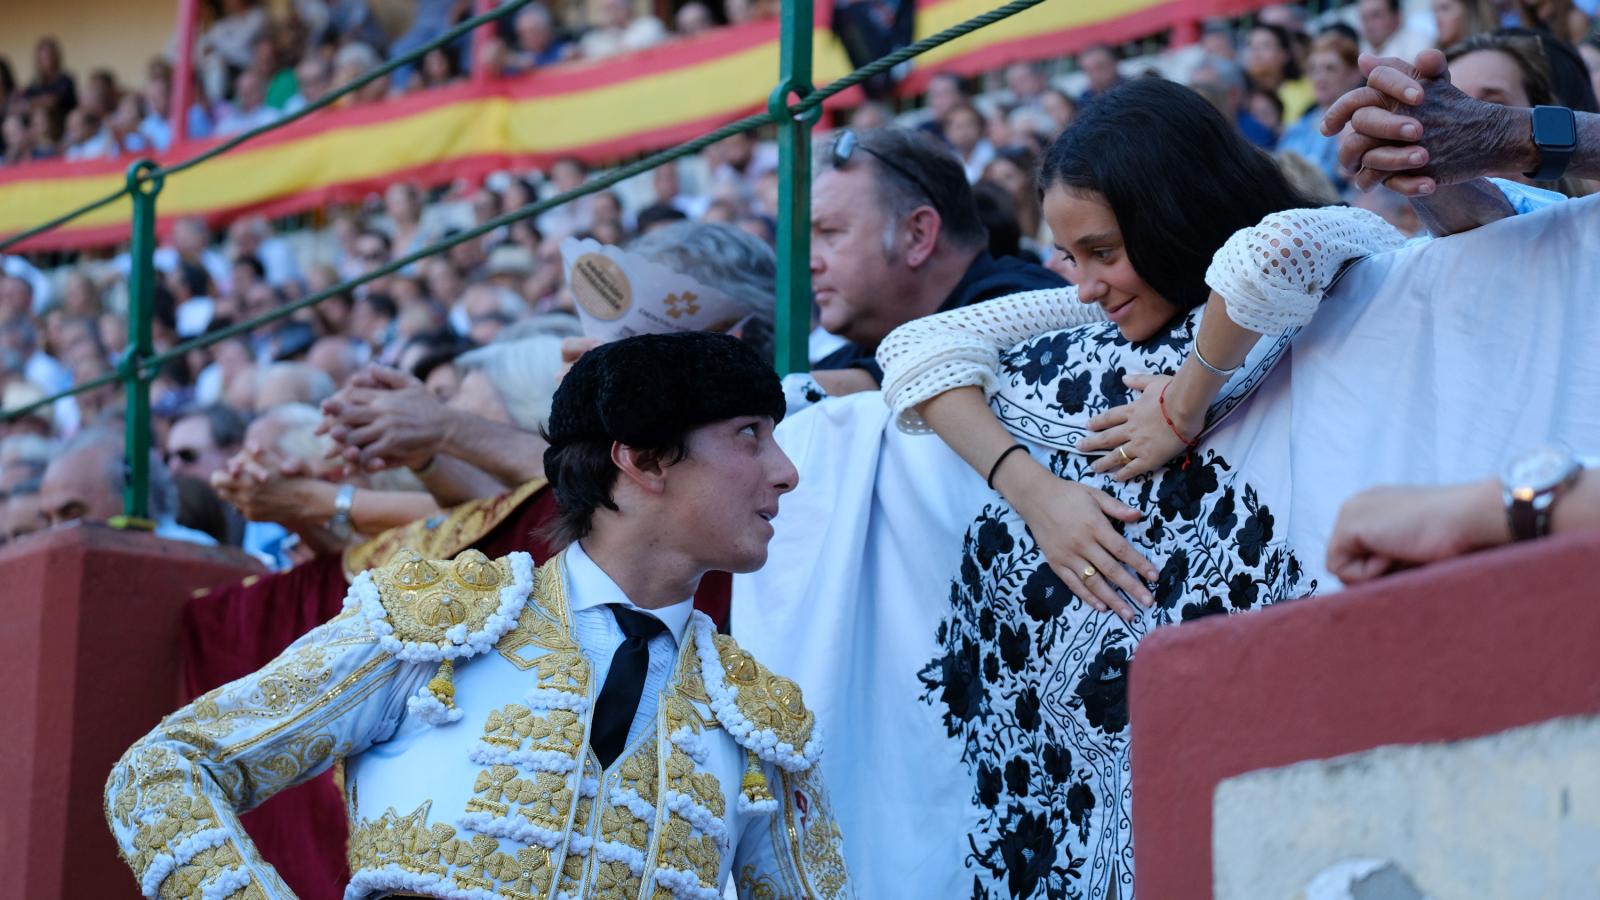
(1532, 483)
(342, 502)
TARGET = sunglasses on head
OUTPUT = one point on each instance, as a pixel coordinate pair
(847, 143)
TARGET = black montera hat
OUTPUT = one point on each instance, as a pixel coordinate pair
(645, 391)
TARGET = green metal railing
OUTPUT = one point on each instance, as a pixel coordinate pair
(794, 106)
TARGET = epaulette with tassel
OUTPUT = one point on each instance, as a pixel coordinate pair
(440, 611)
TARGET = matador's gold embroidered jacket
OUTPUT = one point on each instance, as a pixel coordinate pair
(462, 703)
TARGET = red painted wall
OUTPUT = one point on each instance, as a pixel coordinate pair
(89, 661)
(1462, 649)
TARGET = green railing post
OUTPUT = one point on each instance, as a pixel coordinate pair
(794, 187)
(141, 305)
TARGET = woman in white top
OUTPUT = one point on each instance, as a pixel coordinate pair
(1151, 196)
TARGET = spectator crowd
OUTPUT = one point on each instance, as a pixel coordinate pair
(250, 67)
(453, 321)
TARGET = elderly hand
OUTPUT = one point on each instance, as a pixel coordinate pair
(1137, 435)
(1413, 131)
(265, 490)
(1386, 528)
(385, 417)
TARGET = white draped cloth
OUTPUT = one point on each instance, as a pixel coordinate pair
(976, 711)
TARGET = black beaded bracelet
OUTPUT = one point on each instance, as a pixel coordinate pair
(996, 467)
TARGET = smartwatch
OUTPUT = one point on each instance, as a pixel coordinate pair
(1555, 135)
(1530, 486)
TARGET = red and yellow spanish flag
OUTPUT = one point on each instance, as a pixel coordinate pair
(599, 112)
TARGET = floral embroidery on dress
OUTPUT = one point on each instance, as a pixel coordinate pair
(1031, 682)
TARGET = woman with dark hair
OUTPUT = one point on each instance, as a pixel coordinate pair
(1333, 71)
(1271, 63)
(1013, 169)
(1177, 277)
(1561, 18)
(1456, 20)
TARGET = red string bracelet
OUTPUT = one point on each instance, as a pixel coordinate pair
(1188, 444)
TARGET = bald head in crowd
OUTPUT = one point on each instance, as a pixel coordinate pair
(85, 481)
(20, 513)
(291, 382)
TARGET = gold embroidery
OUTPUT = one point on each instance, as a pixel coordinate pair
(639, 772)
(757, 886)
(521, 875)
(546, 623)
(474, 861)
(769, 701)
(289, 681)
(337, 692)
(679, 846)
(559, 729)
(572, 867)
(189, 879)
(545, 799)
(272, 772)
(818, 844)
(463, 526)
(692, 686)
(426, 598)
(180, 819)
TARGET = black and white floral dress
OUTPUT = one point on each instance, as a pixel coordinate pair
(1031, 683)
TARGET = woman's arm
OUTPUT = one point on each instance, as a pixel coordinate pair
(1264, 280)
(926, 357)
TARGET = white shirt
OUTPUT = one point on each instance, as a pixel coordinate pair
(589, 591)
(1404, 43)
(642, 32)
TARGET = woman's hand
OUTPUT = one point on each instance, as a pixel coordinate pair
(1071, 524)
(1135, 436)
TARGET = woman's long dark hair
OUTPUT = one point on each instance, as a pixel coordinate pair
(1178, 177)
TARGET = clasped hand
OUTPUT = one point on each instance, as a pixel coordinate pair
(383, 418)
(266, 487)
(1411, 130)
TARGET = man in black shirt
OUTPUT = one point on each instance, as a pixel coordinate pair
(895, 236)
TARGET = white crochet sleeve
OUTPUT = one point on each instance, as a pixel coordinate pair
(1273, 275)
(960, 348)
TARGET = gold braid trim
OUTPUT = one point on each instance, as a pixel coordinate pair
(768, 700)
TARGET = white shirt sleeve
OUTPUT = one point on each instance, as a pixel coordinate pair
(929, 356)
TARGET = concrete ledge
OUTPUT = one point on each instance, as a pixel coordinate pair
(1467, 648)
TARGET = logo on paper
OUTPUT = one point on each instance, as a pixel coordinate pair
(680, 305)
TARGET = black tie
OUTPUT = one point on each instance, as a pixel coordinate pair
(619, 697)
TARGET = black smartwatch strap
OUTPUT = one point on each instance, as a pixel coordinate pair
(1555, 134)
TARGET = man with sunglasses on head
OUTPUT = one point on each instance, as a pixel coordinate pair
(895, 236)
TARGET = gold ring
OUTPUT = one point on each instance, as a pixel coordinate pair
(1125, 457)
(1089, 572)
